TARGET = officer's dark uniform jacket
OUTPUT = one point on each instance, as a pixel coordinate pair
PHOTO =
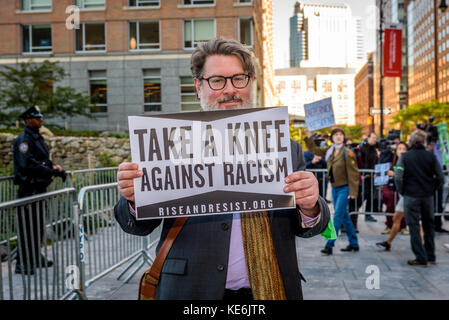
(32, 165)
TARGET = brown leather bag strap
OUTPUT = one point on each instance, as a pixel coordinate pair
(153, 274)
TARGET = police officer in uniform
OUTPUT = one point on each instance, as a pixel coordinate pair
(33, 173)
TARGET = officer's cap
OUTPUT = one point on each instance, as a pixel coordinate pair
(32, 112)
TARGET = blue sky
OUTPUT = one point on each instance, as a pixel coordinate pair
(283, 10)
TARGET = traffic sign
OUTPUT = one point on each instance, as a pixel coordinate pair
(373, 111)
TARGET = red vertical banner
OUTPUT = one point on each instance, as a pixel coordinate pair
(392, 62)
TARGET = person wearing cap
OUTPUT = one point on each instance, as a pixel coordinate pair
(33, 173)
(344, 176)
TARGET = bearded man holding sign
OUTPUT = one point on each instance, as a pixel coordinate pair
(241, 256)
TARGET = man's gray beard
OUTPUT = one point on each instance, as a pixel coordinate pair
(246, 104)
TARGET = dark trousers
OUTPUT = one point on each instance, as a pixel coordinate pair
(438, 201)
(354, 206)
(30, 228)
(322, 187)
(414, 210)
(371, 195)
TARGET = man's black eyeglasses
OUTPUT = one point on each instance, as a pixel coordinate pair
(239, 81)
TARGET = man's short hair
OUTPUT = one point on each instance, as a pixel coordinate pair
(220, 46)
(418, 137)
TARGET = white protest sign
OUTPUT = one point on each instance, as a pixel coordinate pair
(216, 162)
(381, 173)
(319, 114)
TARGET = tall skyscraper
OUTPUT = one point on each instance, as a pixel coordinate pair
(395, 92)
(298, 49)
(325, 36)
(359, 40)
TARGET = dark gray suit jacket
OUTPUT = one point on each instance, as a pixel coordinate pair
(196, 266)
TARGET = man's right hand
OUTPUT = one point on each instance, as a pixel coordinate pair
(127, 172)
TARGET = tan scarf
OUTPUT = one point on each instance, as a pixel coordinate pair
(263, 269)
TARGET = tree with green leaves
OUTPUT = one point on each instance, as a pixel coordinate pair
(32, 83)
(420, 113)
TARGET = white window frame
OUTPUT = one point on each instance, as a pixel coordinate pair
(152, 103)
(30, 37)
(83, 5)
(107, 91)
(138, 36)
(146, 1)
(240, 3)
(37, 6)
(83, 28)
(199, 4)
(181, 94)
(193, 28)
(251, 30)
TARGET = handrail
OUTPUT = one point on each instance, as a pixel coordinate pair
(84, 190)
(37, 197)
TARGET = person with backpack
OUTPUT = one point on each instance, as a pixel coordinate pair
(344, 176)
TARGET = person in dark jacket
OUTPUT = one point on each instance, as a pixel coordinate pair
(212, 257)
(435, 148)
(417, 175)
(33, 173)
(369, 155)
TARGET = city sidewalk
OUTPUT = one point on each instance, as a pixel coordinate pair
(341, 275)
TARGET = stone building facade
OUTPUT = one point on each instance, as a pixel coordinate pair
(363, 96)
(133, 54)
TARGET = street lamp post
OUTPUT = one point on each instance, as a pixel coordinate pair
(381, 89)
(442, 7)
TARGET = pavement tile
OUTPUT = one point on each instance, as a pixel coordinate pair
(384, 284)
(378, 294)
(341, 276)
(319, 293)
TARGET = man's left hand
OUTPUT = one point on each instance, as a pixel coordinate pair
(305, 186)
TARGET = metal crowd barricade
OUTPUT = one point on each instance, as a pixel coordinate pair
(76, 178)
(106, 245)
(49, 219)
(371, 199)
(89, 177)
(8, 190)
